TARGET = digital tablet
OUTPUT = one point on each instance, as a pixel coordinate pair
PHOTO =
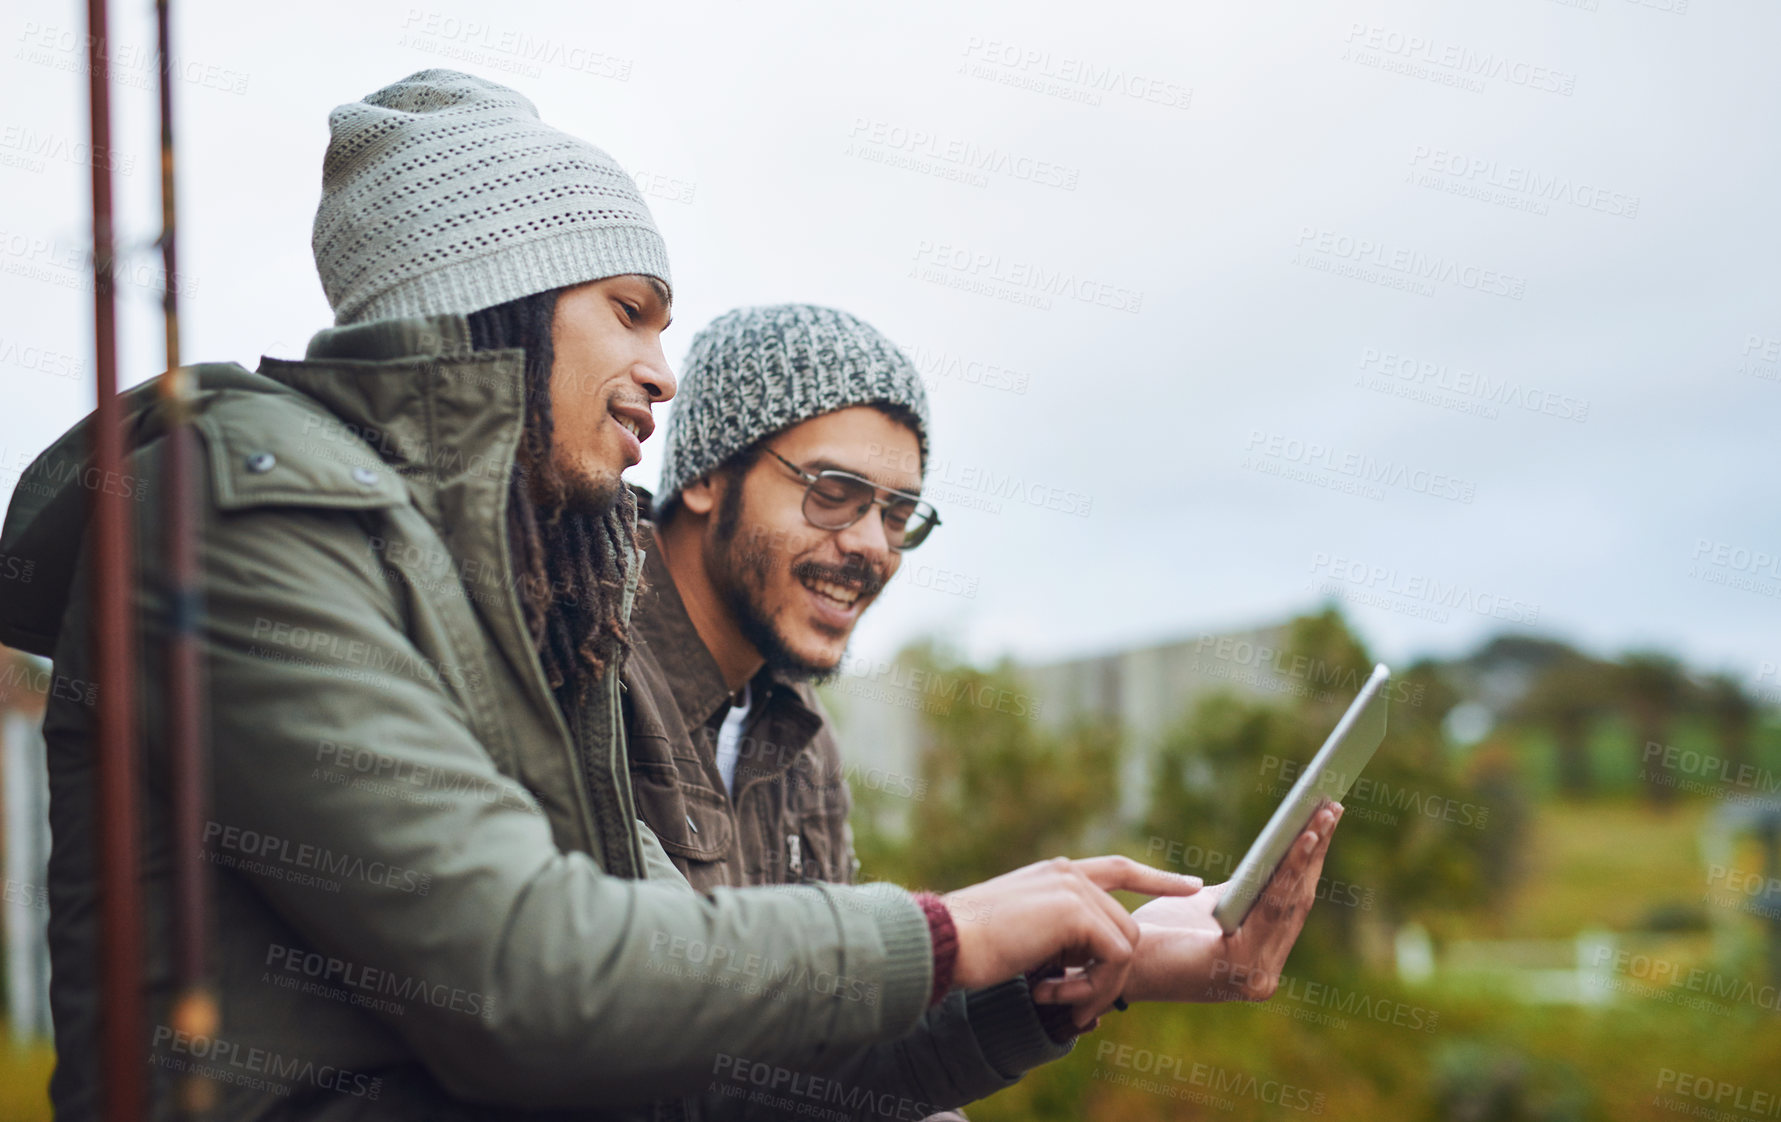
(1328, 776)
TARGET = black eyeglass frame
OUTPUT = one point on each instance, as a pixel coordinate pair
(930, 518)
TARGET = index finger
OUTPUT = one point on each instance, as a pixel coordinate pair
(1113, 873)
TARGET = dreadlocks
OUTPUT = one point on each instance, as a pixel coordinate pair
(570, 563)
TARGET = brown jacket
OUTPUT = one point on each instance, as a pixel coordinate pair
(787, 821)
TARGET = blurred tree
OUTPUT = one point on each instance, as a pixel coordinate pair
(1502, 845)
(999, 789)
(1567, 697)
(1218, 776)
(1654, 688)
(1327, 657)
(1732, 713)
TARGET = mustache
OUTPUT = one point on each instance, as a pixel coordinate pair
(856, 572)
(627, 395)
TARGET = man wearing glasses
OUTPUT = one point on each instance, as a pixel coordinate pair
(793, 462)
(789, 493)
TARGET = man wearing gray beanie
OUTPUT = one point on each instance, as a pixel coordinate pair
(431, 894)
(790, 492)
(731, 627)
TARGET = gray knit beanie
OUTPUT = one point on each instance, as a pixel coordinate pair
(754, 371)
(446, 193)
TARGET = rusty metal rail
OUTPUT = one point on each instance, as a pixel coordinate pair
(122, 1058)
(195, 1007)
(121, 1055)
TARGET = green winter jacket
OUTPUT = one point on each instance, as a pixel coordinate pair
(432, 896)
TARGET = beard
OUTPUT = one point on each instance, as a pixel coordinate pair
(588, 496)
(741, 576)
(572, 490)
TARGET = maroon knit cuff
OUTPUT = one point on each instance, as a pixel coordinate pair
(1058, 1021)
(945, 936)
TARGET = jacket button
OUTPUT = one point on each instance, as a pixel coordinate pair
(364, 475)
(261, 462)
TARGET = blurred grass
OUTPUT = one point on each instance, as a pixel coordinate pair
(1542, 1062)
(24, 1082)
(1596, 864)
(1605, 865)
(1592, 865)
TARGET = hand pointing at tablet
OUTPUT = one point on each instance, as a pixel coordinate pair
(1183, 954)
(1057, 911)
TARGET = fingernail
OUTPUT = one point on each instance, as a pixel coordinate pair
(1197, 882)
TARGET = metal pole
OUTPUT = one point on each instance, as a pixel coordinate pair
(123, 1060)
(195, 1008)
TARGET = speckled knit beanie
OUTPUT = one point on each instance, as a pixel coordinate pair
(754, 371)
(446, 193)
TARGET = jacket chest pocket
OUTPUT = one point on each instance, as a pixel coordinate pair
(692, 822)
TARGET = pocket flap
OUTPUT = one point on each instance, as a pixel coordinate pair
(691, 822)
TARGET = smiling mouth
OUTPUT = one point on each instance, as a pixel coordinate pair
(632, 416)
(841, 595)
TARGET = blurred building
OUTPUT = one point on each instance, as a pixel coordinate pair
(1144, 691)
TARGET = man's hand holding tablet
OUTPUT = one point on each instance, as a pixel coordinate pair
(1229, 941)
(1183, 954)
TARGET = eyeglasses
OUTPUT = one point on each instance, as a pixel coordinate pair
(835, 500)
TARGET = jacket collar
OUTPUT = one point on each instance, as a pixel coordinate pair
(448, 418)
(419, 395)
(440, 335)
(694, 679)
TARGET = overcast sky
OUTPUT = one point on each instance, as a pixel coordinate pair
(1470, 308)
